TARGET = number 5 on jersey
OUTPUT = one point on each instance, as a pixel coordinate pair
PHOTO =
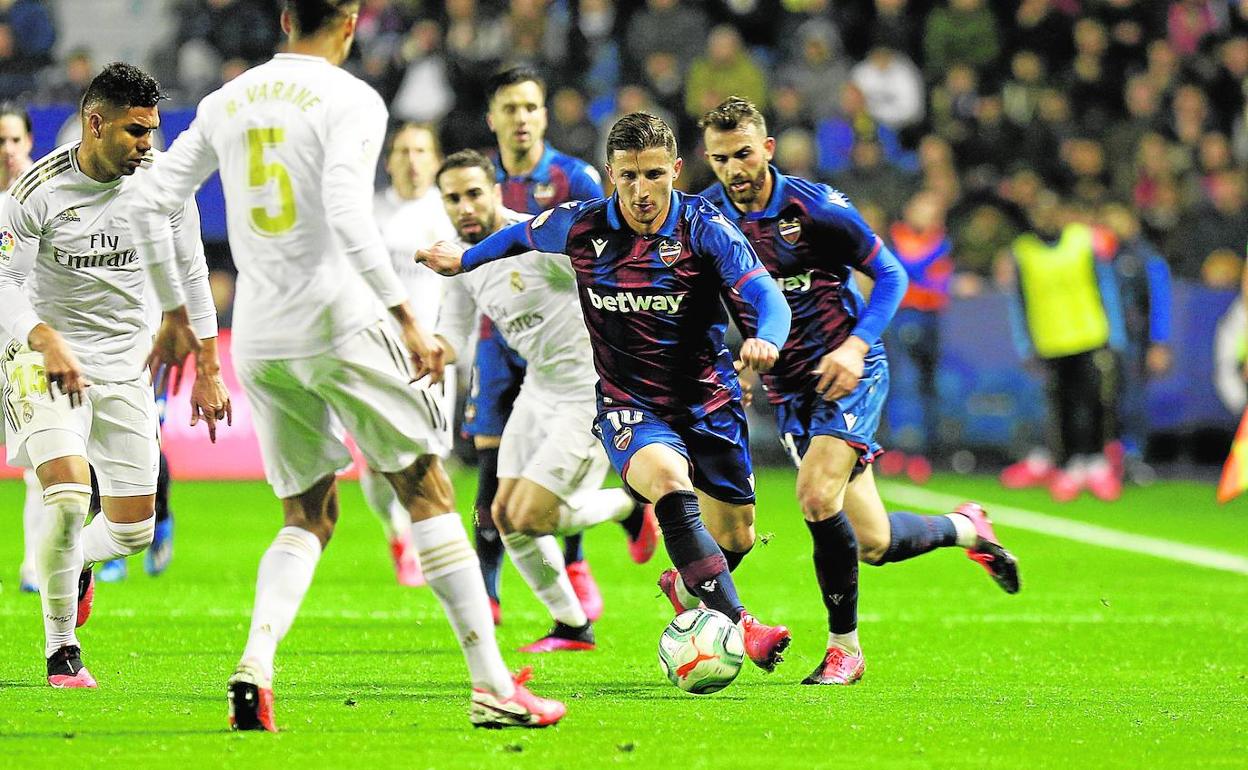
(261, 175)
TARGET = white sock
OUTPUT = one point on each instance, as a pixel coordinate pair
(540, 561)
(33, 521)
(687, 597)
(59, 561)
(103, 539)
(454, 574)
(381, 499)
(967, 536)
(594, 508)
(847, 642)
(285, 573)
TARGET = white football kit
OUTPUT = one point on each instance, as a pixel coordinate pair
(531, 298)
(408, 225)
(67, 259)
(296, 141)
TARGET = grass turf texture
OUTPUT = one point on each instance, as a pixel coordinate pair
(1106, 658)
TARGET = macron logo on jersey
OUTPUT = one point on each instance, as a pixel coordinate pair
(628, 302)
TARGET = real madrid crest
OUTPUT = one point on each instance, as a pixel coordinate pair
(517, 283)
(543, 193)
(669, 252)
(790, 230)
(28, 412)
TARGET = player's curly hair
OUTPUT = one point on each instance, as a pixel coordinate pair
(467, 159)
(310, 16)
(121, 85)
(639, 131)
(733, 113)
(513, 76)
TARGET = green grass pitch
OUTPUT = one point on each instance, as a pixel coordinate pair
(1107, 658)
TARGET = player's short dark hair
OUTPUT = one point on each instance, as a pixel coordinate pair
(123, 86)
(399, 128)
(467, 159)
(733, 113)
(310, 16)
(14, 109)
(513, 76)
(639, 131)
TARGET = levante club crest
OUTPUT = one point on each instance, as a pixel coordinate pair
(790, 230)
(543, 193)
(669, 252)
(623, 438)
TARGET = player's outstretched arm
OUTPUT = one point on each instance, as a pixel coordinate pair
(443, 257)
(840, 370)
(761, 351)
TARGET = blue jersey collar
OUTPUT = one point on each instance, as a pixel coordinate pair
(616, 220)
(540, 172)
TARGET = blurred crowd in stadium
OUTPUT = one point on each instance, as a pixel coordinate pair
(956, 126)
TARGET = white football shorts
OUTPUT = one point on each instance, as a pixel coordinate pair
(547, 440)
(300, 407)
(116, 428)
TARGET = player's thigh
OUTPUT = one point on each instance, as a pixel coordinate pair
(300, 440)
(719, 449)
(824, 475)
(42, 432)
(497, 373)
(549, 443)
(867, 515)
(648, 454)
(367, 383)
(124, 447)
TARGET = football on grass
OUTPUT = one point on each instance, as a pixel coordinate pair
(701, 651)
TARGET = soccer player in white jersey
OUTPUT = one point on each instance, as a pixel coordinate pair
(72, 301)
(410, 216)
(296, 141)
(550, 466)
(16, 143)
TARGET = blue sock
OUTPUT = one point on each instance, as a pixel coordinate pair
(836, 569)
(572, 550)
(489, 543)
(693, 551)
(914, 535)
(732, 558)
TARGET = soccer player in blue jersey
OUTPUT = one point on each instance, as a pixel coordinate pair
(829, 386)
(650, 263)
(533, 177)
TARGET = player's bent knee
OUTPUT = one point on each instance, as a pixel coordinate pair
(872, 548)
(535, 521)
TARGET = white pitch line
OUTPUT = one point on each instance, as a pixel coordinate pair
(1069, 529)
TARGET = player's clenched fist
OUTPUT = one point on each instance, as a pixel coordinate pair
(840, 370)
(442, 257)
(759, 355)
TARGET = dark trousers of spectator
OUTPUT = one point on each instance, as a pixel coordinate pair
(914, 335)
(1132, 404)
(1082, 392)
